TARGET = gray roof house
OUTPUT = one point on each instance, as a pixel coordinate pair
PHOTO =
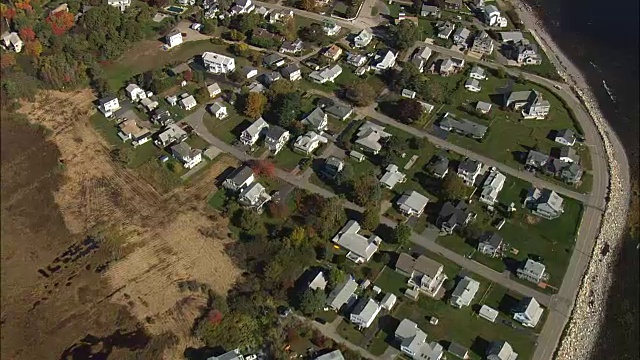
(412, 203)
(438, 166)
(425, 274)
(186, 155)
(363, 38)
(254, 196)
(445, 29)
(488, 313)
(472, 85)
(326, 75)
(269, 78)
(501, 350)
(252, 133)
(392, 176)
(532, 271)
(316, 120)
(334, 355)
(528, 312)
(537, 159)
(453, 216)
(477, 73)
(360, 248)
(273, 60)
(458, 350)
(342, 294)
(461, 35)
(565, 137)
(291, 72)
(462, 126)
(276, 138)
(429, 10)
(413, 342)
(483, 107)
(531, 102)
(492, 186)
(482, 43)
(572, 174)
(332, 167)
(544, 203)
(365, 312)
(240, 178)
(339, 111)
(369, 136)
(469, 170)
(229, 355)
(569, 154)
(490, 244)
(464, 292)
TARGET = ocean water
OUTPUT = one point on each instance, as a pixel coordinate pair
(601, 38)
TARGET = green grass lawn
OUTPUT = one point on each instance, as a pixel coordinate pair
(349, 332)
(288, 159)
(229, 128)
(197, 142)
(218, 199)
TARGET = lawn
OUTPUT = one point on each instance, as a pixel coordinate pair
(228, 129)
(546, 69)
(197, 142)
(218, 199)
(288, 159)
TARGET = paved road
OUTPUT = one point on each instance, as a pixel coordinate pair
(311, 15)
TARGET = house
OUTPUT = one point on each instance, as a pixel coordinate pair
(369, 136)
(569, 155)
(172, 100)
(149, 104)
(537, 159)
(239, 179)
(565, 137)
(230, 355)
(214, 90)
(482, 44)
(256, 87)
(364, 313)
(445, 29)
(532, 271)
(472, 85)
(523, 52)
(501, 350)
(120, 4)
(174, 38)
(307, 143)
(292, 47)
(408, 93)
(453, 4)
(544, 203)
(363, 38)
(572, 173)
(339, 111)
(419, 59)
(464, 292)
(129, 130)
(413, 342)
(490, 244)
(468, 171)
(108, 105)
(273, 61)
(462, 126)
(170, 135)
(218, 110)
(316, 120)
(342, 294)
(450, 66)
(334, 355)
(511, 36)
(264, 34)
(356, 60)
(429, 10)
(477, 73)
(360, 248)
(383, 60)
(291, 72)
(281, 16)
(276, 138)
(392, 176)
(186, 155)
(461, 35)
(427, 108)
(438, 166)
(528, 312)
(245, 6)
(332, 167)
(412, 204)
(161, 117)
(252, 133)
(483, 107)
(270, 77)
(326, 75)
(248, 72)
(218, 64)
(333, 52)
(488, 313)
(458, 350)
(135, 93)
(188, 102)
(492, 186)
(453, 216)
(388, 301)
(319, 281)
(330, 28)
(254, 196)
(531, 102)
(492, 16)
(425, 274)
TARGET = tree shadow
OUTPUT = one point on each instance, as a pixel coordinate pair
(385, 232)
(480, 346)
(202, 353)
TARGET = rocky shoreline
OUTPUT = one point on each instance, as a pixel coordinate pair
(589, 310)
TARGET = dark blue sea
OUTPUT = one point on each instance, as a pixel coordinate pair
(601, 38)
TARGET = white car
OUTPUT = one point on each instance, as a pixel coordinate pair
(196, 26)
(251, 357)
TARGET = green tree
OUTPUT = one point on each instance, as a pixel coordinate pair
(248, 220)
(405, 34)
(312, 301)
(280, 87)
(409, 110)
(235, 330)
(366, 190)
(371, 217)
(255, 105)
(453, 188)
(286, 109)
(448, 284)
(236, 35)
(330, 217)
(360, 93)
(248, 22)
(336, 276)
(402, 234)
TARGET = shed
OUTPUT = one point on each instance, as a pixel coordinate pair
(488, 313)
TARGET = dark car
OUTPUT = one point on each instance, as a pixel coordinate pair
(321, 320)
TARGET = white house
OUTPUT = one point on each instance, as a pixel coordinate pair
(174, 38)
(243, 7)
(369, 136)
(248, 72)
(528, 312)
(363, 38)
(252, 133)
(356, 60)
(468, 171)
(291, 72)
(364, 313)
(342, 294)
(11, 42)
(218, 110)
(188, 102)
(186, 155)
(240, 178)
(108, 104)
(412, 204)
(171, 134)
(319, 282)
(425, 274)
(276, 138)
(492, 186)
(308, 142)
(326, 75)
(492, 16)
(477, 73)
(501, 350)
(330, 28)
(317, 120)
(135, 93)
(254, 196)
(218, 64)
(408, 93)
(130, 130)
(392, 176)
(413, 342)
(565, 137)
(472, 85)
(388, 301)
(464, 292)
(120, 4)
(360, 248)
(149, 104)
(214, 90)
(488, 313)
(532, 271)
(384, 59)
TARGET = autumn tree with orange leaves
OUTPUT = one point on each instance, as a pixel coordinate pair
(27, 34)
(60, 22)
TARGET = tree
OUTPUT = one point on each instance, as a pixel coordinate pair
(314, 33)
(255, 105)
(235, 330)
(500, 73)
(286, 109)
(264, 167)
(435, 93)
(27, 34)
(448, 284)
(311, 301)
(60, 22)
(402, 234)
(453, 188)
(298, 237)
(248, 220)
(248, 22)
(366, 190)
(360, 93)
(7, 60)
(280, 87)
(371, 217)
(290, 28)
(308, 5)
(330, 216)
(236, 35)
(336, 276)
(409, 110)
(187, 75)
(33, 48)
(405, 34)
(277, 210)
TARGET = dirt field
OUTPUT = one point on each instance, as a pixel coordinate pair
(90, 249)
